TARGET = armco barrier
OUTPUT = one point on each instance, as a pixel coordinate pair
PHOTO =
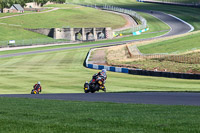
(140, 31)
(100, 67)
(164, 74)
(140, 71)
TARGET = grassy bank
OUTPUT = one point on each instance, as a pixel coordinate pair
(63, 72)
(67, 17)
(177, 45)
(31, 115)
(17, 33)
(189, 14)
(87, 17)
(186, 63)
(154, 24)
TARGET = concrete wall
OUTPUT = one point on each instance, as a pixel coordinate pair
(86, 33)
(81, 34)
(45, 31)
(7, 10)
(62, 33)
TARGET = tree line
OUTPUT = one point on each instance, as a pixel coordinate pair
(9, 3)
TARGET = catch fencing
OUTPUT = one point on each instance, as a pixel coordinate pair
(189, 58)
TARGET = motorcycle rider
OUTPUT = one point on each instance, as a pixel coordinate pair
(38, 87)
(103, 75)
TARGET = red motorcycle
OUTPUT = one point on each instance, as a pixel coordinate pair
(96, 84)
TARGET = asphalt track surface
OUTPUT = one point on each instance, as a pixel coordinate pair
(160, 98)
(177, 27)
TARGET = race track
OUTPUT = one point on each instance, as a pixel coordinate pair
(177, 27)
(161, 98)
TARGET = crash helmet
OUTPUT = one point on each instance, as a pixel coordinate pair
(103, 71)
(38, 82)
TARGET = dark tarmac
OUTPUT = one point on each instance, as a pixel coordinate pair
(159, 98)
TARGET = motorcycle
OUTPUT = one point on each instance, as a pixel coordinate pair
(95, 85)
(34, 91)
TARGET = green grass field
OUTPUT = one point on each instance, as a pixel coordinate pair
(55, 116)
(6, 14)
(177, 45)
(63, 72)
(62, 15)
(87, 17)
(189, 14)
(17, 33)
(154, 24)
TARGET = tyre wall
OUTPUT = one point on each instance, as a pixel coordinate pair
(139, 71)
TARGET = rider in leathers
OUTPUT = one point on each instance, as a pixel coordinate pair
(38, 87)
(101, 74)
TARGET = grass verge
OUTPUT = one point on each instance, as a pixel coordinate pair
(33, 115)
(177, 45)
(189, 14)
(63, 72)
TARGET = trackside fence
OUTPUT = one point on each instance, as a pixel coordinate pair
(190, 58)
(142, 22)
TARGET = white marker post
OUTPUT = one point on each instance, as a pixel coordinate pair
(11, 42)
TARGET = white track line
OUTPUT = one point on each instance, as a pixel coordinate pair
(192, 28)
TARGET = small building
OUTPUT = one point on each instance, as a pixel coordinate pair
(6, 10)
(16, 8)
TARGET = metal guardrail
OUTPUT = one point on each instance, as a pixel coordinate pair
(142, 21)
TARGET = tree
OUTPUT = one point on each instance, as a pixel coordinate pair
(3, 4)
(58, 1)
(42, 2)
